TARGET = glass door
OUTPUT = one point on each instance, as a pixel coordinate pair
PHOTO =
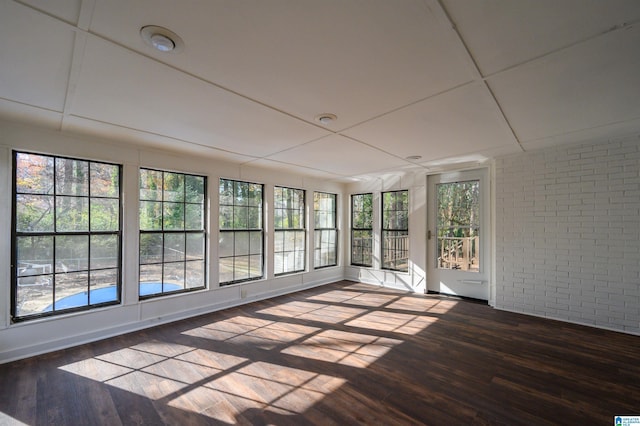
(458, 246)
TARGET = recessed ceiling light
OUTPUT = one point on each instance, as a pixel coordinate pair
(326, 118)
(414, 157)
(161, 39)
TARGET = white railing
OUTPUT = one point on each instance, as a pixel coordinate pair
(458, 253)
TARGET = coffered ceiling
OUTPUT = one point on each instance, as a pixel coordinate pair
(450, 81)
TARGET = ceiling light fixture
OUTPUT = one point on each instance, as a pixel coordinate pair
(327, 118)
(161, 39)
(414, 157)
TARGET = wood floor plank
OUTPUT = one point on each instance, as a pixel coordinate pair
(345, 353)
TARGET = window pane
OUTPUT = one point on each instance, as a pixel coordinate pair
(105, 180)
(34, 174)
(103, 286)
(225, 244)
(458, 231)
(35, 255)
(194, 187)
(395, 250)
(241, 243)
(226, 217)
(34, 213)
(72, 177)
(255, 266)
(241, 193)
(174, 247)
(240, 217)
(225, 269)
(254, 220)
(255, 195)
(299, 261)
(151, 248)
(193, 217)
(195, 274)
(225, 192)
(72, 253)
(150, 185)
(289, 240)
(71, 290)
(72, 214)
(255, 242)
(173, 216)
(104, 251)
(150, 215)
(174, 278)
(279, 260)
(150, 274)
(279, 219)
(279, 241)
(241, 268)
(105, 214)
(173, 187)
(195, 246)
(300, 240)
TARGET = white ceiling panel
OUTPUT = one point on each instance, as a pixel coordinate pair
(356, 59)
(104, 130)
(119, 87)
(23, 113)
(67, 10)
(504, 33)
(592, 84)
(458, 122)
(293, 168)
(35, 57)
(339, 155)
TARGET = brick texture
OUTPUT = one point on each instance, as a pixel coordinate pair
(568, 234)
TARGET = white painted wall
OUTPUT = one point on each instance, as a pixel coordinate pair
(568, 234)
(47, 334)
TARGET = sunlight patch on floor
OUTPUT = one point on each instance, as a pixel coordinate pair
(341, 347)
(393, 322)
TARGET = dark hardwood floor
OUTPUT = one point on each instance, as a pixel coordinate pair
(340, 354)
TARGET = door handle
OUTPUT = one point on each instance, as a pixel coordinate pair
(429, 234)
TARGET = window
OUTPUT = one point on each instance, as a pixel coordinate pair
(458, 226)
(172, 232)
(241, 233)
(326, 232)
(395, 230)
(66, 235)
(362, 229)
(289, 228)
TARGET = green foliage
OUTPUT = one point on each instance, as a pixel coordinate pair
(240, 205)
(362, 211)
(458, 209)
(395, 210)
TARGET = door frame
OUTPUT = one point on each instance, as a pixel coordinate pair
(464, 281)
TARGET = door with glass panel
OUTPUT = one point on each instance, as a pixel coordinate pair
(457, 238)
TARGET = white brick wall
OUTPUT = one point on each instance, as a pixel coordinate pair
(568, 234)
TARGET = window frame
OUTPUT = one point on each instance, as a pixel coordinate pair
(299, 230)
(261, 229)
(320, 230)
(53, 267)
(355, 229)
(165, 232)
(402, 231)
